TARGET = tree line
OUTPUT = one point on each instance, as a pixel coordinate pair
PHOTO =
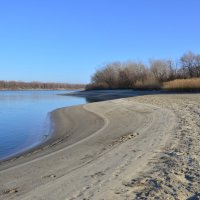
(137, 75)
(16, 85)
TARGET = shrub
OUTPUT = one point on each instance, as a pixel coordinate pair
(136, 75)
(192, 84)
(97, 86)
(150, 84)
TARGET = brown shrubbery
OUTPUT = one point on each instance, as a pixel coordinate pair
(192, 84)
(129, 75)
(16, 85)
(136, 75)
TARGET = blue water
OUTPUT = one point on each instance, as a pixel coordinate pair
(25, 119)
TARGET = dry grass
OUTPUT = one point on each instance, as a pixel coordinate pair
(192, 84)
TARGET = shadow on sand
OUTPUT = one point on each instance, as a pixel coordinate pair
(103, 95)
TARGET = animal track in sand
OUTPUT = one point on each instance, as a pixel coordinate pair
(124, 138)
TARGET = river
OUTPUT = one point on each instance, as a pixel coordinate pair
(25, 119)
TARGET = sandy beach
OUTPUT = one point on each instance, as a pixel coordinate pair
(142, 147)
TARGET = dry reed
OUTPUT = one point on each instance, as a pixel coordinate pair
(192, 84)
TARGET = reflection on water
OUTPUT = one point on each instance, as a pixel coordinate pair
(24, 118)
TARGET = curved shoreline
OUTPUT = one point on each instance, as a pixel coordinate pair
(56, 137)
(117, 159)
(59, 139)
(91, 141)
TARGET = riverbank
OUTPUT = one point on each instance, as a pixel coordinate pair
(136, 147)
(103, 95)
(25, 119)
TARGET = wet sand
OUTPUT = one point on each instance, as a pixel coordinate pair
(131, 148)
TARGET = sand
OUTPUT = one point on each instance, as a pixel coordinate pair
(143, 147)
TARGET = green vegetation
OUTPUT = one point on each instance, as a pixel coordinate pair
(137, 75)
(18, 85)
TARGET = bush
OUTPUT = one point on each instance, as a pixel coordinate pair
(192, 84)
(118, 75)
(136, 75)
(150, 84)
(97, 86)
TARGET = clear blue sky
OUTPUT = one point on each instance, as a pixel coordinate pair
(67, 40)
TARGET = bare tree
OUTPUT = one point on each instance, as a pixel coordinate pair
(161, 69)
(197, 65)
(14, 85)
(190, 64)
(107, 75)
(119, 75)
(137, 75)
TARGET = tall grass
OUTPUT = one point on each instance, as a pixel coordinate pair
(192, 84)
